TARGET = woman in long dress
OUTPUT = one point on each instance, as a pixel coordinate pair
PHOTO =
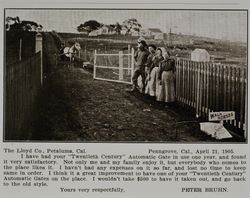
(167, 79)
(153, 83)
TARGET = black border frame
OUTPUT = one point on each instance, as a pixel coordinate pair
(120, 142)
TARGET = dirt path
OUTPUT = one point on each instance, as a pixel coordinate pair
(77, 108)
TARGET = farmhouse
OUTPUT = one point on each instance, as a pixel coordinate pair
(104, 30)
(157, 33)
(150, 32)
(84, 32)
(123, 31)
(134, 33)
(145, 33)
(200, 55)
(93, 33)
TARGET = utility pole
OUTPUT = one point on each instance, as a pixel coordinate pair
(170, 37)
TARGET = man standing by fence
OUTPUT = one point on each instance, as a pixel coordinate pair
(140, 57)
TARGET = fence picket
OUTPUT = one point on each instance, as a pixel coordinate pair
(216, 91)
(177, 79)
(194, 85)
(191, 84)
(214, 87)
(200, 89)
(120, 65)
(197, 89)
(231, 87)
(220, 95)
(225, 87)
(242, 99)
(207, 87)
(183, 82)
(233, 90)
(238, 99)
(228, 89)
(21, 90)
(203, 89)
(187, 83)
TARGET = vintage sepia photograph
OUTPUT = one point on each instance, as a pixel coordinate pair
(125, 75)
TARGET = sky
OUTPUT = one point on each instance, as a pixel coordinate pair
(229, 25)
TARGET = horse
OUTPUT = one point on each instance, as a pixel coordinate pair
(71, 52)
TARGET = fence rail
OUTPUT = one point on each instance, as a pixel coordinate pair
(23, 81)
(208, 87)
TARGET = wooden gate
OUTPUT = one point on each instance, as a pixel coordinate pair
(114, 67)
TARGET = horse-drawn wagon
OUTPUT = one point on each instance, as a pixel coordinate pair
(68, 56)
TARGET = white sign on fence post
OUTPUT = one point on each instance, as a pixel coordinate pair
(120, 65)
(221, 115)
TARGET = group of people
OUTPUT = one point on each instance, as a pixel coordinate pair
(157, 71)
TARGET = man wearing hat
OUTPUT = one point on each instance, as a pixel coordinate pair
(140, 57)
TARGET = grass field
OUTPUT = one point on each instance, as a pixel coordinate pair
(235, 53)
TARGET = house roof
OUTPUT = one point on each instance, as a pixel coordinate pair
(155, 30)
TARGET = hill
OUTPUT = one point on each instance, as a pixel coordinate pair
(179, 45)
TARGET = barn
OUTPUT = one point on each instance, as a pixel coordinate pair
(201, 55)
(104, 30)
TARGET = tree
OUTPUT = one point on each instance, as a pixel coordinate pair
(81, 28)
(29, 25)
(14, 23)
(117, 27)
(88, 26)
(131, 24)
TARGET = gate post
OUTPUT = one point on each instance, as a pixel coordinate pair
(120, 65)
(94, 72)
(39, 47)
(132, 63)
(129, 60)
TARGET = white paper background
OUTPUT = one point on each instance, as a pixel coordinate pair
(133, 190)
